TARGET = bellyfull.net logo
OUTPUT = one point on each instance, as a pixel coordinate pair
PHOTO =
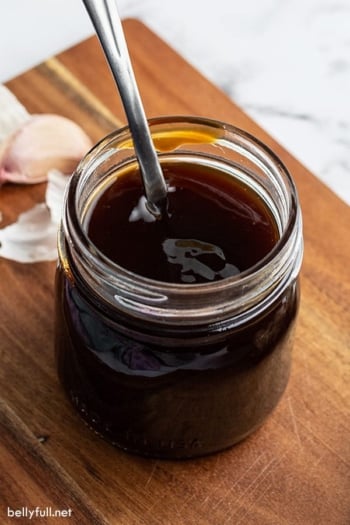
(38, 512)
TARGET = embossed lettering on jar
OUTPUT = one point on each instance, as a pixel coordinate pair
(174, 337)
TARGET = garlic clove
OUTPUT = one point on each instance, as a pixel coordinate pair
(44, 142)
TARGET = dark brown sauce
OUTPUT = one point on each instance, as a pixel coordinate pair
(214, 226)
(181, 401)
(187, 398)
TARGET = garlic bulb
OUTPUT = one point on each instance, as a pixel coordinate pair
(36, 148)
(42, 143)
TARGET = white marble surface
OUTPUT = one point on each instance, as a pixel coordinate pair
(287, 63)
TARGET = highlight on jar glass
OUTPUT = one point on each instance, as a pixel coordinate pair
(174, 334)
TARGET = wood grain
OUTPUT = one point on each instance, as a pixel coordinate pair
(296, 469)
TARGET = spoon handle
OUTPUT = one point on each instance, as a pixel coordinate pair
(105, 18)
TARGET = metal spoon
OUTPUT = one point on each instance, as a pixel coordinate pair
(105, 18)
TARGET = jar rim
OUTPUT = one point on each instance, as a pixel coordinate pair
(157, 290)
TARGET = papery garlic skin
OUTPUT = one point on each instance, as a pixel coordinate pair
(54, 195)
(33, 237)
(12, 114)
(44, 142)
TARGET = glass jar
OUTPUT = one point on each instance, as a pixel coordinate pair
(177, 370)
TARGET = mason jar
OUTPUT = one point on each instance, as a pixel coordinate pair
(177, 370)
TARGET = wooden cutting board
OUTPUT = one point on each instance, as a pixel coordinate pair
(294, 470)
